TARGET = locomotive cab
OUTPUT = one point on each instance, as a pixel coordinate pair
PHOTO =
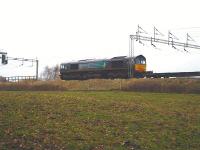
(140, 64)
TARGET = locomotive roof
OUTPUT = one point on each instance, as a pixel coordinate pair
(141, 56)
(94, 60)
(85, 61)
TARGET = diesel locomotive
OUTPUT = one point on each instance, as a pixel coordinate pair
(116, 67)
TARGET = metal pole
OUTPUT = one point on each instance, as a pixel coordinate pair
(37, 66)
(129, 66)
(131, 57)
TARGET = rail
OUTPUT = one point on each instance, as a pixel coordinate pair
(172, 74)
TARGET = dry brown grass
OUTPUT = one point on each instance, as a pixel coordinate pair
(165, 85)
(144, 85)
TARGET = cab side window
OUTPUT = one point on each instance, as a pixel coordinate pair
(62, 67)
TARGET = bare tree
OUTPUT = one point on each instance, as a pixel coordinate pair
(55, 72)
(50, 73)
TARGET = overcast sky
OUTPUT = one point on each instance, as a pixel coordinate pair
(57, 31)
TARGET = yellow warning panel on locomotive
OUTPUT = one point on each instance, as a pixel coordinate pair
(140, 67)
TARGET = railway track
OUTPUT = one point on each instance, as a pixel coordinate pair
(150, 74)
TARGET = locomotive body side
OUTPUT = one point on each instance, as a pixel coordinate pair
(116, 67)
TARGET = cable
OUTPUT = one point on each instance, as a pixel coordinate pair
(185, 28)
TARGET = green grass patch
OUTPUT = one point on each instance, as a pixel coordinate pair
(99, 120)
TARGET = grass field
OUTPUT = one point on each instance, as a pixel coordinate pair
(99, 120)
